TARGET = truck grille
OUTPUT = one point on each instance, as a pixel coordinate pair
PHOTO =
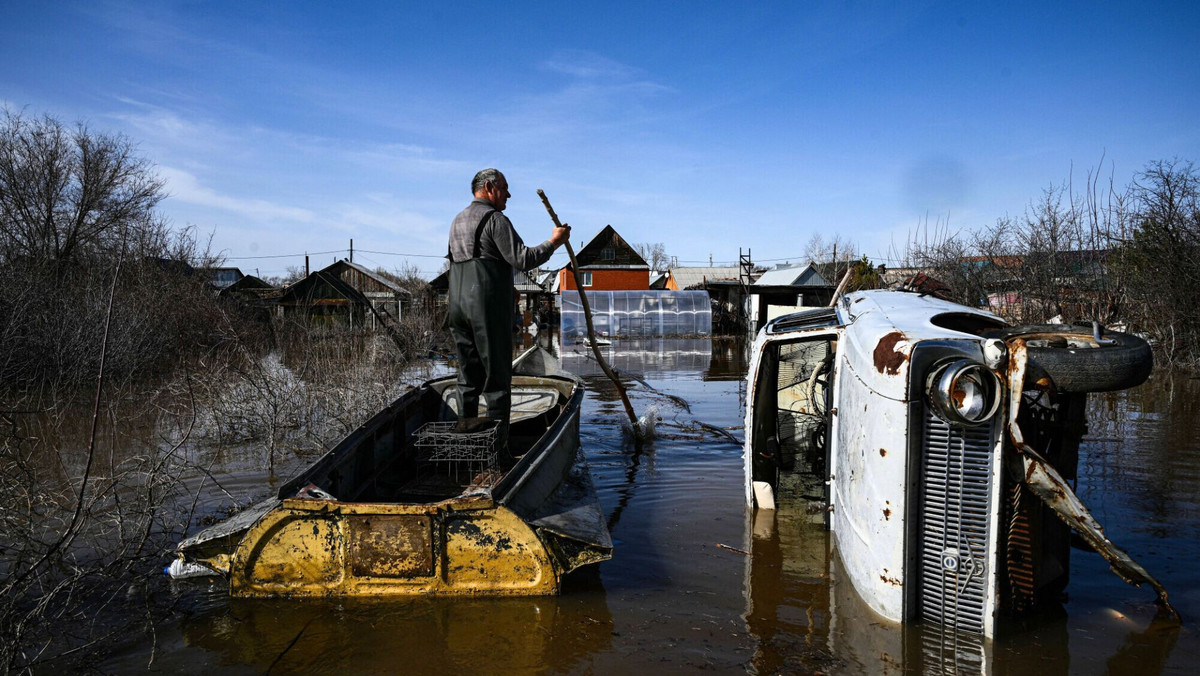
(954, 518)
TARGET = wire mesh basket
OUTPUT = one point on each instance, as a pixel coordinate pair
(459, 453)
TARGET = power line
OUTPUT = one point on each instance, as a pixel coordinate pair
(876, 259)
(337, 251)
(399, 253)
(309, 253)
(334, 251)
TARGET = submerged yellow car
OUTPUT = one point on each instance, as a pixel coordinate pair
(406, 505)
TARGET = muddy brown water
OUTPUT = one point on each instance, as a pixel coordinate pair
(697, 582)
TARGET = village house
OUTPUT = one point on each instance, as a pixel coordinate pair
(607, 263)
(248, 287)
(221, 278)
(346, 294)
(256, 294)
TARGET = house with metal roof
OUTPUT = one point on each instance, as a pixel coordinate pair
(785, 289)
(684, 278)
(792, 275)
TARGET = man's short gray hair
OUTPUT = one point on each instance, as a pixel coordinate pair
(484, 177)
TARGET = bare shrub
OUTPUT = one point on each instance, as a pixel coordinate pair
(85, 526)
(316, 386)
(94, 288)
(1159, 254)
(85, 520)
(50, 317)
(422, 328)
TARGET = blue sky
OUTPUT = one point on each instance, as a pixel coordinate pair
(292, 127)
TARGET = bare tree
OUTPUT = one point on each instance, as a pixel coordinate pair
(836, 250)
(1119, 256)
(77, 211)
(291, 275)
(654, 254)
(834, 257)
(69, 194)
(409, 277)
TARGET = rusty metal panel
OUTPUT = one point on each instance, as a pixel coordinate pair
(390, 546)
(290, 554)
(1019, 551)
(496, 551)
(320, 548)
(870, 470)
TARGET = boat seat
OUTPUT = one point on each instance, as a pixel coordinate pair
(527, 402)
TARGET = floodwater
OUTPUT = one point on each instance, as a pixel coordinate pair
(697, 582)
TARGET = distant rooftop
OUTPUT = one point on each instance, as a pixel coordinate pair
(367, 272)
(688, 277)
(792, 275)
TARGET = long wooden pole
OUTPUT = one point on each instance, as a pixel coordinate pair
(837, 293)
(587, 315)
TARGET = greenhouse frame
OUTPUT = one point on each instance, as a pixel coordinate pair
(638, 313)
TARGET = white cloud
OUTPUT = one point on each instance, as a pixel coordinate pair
(588, 65)
(185, 187)
(600, 95)
(406, 159)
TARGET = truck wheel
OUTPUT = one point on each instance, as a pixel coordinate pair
(1075, 362)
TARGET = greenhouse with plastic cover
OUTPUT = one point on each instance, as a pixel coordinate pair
(638, 313)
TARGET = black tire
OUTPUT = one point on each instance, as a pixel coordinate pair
(1070, 357)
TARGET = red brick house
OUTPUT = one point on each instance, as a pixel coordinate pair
(608, 263)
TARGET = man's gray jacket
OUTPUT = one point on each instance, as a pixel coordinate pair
(498, 240)
(484, 248)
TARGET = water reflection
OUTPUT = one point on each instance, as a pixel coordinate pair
(789, 607)
(422, 635)
(639, 355)
(807, 618)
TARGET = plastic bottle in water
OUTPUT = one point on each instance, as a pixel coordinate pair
(179, 569)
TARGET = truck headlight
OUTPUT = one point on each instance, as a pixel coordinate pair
(963, 392)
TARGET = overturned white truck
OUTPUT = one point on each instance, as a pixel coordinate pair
(937, 443)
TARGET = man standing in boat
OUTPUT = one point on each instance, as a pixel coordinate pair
(484, 249)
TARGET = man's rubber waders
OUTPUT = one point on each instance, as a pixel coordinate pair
(480, 318)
